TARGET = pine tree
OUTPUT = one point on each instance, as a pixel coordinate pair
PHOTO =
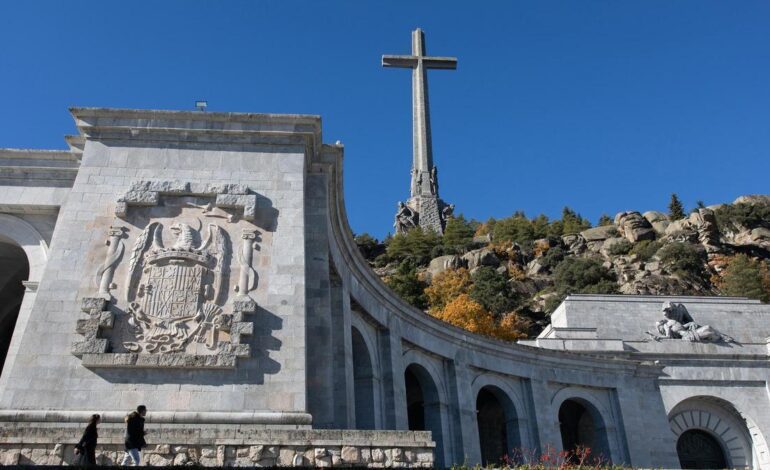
(675, 208)
(604, 220)
(458, 235)
(492, 291)
(407, 285)
(572, 222)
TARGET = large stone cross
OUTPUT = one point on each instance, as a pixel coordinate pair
(422, 164)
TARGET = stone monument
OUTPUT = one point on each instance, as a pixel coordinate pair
(424, 208)
(202, 264)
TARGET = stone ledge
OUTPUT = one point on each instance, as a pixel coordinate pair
(168, 360)
(217, 445)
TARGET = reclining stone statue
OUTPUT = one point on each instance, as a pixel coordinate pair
(678, 324)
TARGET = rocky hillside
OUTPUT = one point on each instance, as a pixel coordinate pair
(503, 277)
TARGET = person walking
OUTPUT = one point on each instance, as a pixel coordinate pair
(135, 435)
(86, 448)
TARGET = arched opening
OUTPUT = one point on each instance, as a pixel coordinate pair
(707, 424)
(582, 427)
(14, 268)
(363, 379)
(699, 449)
(497, 423)
(424, 406)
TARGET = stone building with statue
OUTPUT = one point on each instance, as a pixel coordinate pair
(202, 264)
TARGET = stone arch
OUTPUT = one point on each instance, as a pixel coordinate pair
(497, 424)
(23, 254)
(364, 382)
(580, 410)
(518, 424)
(738, 436)
(426, 403)
(23, 234)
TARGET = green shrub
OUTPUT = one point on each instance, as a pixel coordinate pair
(683, 259)
(416, 245)
(553, 257)
(745, 277)
(407, 285)
(734, 216)
(580, 276)
(621, 248)
(458, 234)
(645, 249)
(369, 246)
(492, 291)
(584, 276)
(381, 261)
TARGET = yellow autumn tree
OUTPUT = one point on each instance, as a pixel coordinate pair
(464, 312)
(446, 286)
(512, 327)
(467, 314)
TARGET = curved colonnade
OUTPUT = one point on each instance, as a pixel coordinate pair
(416, 372)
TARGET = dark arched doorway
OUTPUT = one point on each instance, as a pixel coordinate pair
(699, 449)
(582, 426)
(424, 406)
(363, 379)
(496, 418)
(14, 268)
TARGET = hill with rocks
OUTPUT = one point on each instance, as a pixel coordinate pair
(503, 277)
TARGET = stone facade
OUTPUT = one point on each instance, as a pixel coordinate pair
(202, 264)
(712, 382)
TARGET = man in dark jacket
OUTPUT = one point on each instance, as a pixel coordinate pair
(135, 435)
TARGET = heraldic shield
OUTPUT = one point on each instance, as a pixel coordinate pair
(174, 291)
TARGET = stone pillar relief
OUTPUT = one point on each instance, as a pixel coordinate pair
(114, 253)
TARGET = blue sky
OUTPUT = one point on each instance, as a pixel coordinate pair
(600, 105)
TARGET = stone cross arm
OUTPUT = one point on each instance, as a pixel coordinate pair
(411, 61)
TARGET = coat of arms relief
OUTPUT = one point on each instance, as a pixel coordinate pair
(178, 295)
(174, 300)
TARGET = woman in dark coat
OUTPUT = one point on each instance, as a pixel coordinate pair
(86, 448)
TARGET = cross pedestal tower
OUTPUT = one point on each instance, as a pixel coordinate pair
(424, 208)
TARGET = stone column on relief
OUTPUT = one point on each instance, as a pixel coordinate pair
(247, 279)
(106, 271)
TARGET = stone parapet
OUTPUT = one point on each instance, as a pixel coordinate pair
(221, 445)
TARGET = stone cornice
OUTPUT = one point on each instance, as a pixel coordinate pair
(658, 299)
(57, 168)
(200, 127)
(38, 158)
